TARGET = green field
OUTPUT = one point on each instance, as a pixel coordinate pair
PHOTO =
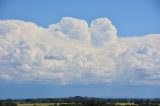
(36, 104)
(44, 104)
(69, 104)
(126, 104)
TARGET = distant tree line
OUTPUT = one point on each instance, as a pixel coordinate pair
(82, 101)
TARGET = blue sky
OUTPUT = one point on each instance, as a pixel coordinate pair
(97, 90)
(130, 17)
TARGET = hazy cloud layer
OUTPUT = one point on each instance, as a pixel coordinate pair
(72, 51)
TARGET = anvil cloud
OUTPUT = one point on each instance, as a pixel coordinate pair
(71, 52)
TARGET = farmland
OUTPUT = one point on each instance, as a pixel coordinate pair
(75, 104)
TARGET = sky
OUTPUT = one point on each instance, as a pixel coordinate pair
(130, 17)
(57, 48)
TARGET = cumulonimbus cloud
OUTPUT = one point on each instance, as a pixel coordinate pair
(72, 51)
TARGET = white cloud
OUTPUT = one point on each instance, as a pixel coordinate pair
(102, 31)
(72, 52)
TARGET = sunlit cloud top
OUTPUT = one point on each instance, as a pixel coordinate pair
(75, 52)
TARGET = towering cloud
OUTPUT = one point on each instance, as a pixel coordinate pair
(72, 28)
(102, 31)
(72, 52)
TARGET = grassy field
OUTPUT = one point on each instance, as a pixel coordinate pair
(42, 104)
(126, 104)
(36, 104)
(53, 104)
(74, 104)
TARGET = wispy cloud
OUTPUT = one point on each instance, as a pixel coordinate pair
(72, 51)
